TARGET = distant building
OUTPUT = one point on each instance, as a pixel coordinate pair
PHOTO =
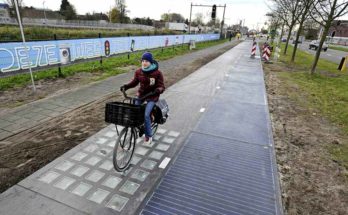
(4, 13)
(34, 13)
(4, 6)
(339, 28)
(159, 24)
(176, 26)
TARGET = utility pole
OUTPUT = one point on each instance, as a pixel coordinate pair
(24, 44)
(189, 30)
(200, 5)
(43, 4)
(222, 22)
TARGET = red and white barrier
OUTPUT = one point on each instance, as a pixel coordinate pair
(266, 53)
(253, 50)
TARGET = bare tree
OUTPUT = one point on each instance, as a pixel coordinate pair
(198, 19)
(283, 19)
(11, 3)
(274, 22)
(121, 7)
(12, 6)
(290, 9)
(305, 7)
(325, 13)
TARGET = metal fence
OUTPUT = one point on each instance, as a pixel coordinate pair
(74, 23)
(14, 58)
(338, 40)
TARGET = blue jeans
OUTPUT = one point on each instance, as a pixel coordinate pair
(147, 118)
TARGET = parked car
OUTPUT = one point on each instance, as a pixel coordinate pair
(315, 45)
(283, 39)
(299, 41)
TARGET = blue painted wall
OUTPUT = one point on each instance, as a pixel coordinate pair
(13, 56)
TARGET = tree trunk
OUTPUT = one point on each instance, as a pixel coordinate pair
(281, 35)
(317, 54)
(287, 39)
(323, 37)
(297, 37)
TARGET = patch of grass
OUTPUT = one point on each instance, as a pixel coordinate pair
(339, 48)
(326, 91)
(111, 66)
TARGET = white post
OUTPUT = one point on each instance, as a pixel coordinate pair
(24, 44)
(43, 4)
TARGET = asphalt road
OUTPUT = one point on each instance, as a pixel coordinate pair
(331, 55)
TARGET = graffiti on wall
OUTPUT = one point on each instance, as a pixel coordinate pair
(15, 56)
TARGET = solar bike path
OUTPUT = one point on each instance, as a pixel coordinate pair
(227, 164)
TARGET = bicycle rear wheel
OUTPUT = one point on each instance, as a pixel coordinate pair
(124, 149)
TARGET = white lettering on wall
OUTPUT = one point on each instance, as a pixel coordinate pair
(51, 55)
(10, 67)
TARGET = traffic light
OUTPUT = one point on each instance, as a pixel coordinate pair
(213, 12)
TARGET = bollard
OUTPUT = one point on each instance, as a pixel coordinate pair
(60, 74)
(101, 55)
(343, 64)
(253, 50)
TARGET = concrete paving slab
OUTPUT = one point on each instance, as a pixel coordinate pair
(4, 133)
(84, 177)
(18, 200)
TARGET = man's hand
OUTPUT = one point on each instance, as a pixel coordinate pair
(123, 88)
(157, 91)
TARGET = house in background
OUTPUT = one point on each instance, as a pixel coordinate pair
(339, 28)
(4, 13)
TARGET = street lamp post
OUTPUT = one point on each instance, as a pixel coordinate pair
(24, 44)
(43, 4)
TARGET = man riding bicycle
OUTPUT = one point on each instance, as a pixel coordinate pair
(151, 82)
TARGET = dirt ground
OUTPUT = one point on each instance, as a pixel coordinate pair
(312, 182)
(28, 151)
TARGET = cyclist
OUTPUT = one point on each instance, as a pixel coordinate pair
(151, 82)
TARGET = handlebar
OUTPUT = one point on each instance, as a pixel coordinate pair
(132, 99)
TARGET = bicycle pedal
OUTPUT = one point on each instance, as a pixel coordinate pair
(141, 133)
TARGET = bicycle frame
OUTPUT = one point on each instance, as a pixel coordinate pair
(140, 128)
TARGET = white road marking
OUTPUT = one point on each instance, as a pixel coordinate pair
(164, 163)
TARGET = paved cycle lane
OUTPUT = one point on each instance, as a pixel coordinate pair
(227, 164)
(219, 113)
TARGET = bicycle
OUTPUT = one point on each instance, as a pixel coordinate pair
(131, 117)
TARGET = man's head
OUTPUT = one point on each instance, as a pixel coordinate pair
(146, 59)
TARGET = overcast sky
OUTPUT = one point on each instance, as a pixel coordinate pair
(252, 11)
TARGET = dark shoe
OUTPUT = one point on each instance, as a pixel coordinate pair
(148, 140)
(141, 131)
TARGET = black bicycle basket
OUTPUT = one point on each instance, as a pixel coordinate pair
(124, 114)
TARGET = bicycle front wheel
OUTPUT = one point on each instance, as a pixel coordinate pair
(124, 149)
